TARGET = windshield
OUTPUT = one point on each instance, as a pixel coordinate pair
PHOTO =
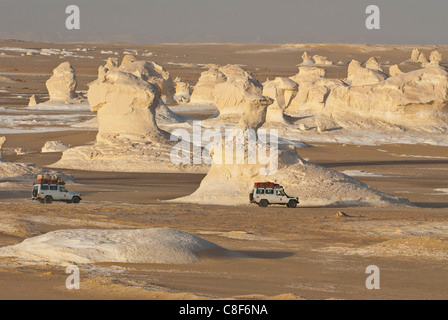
(280, 192)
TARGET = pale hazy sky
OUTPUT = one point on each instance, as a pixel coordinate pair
(274, 21)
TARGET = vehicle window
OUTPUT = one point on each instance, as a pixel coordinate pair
(55, 188)
(44, 188)
(269, 191)
(260, 191)
(62, 189)
(280, 193)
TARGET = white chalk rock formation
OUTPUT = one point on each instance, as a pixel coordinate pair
(230, 182)
(394, 70)
(125, 105)
(87, 246)
(152, 73)
(203, 90)
(373, 64)
(415, 55)
(313, 89)
(34, 100)
(2, 142)
(359, 76)
(282, 91)
(321, 60)
(129, 139)
(422, 60)
(62, 84)
(183, 91)
(307, 60)
(230, 96)
(435, 58)
(54, 146)
(414, 99)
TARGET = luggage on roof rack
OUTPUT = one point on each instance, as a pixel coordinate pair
(265, 185)
(49, 179)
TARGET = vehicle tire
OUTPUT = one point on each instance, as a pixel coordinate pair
(48, 199)
(292, 204)
(263, 203)
(76, 200)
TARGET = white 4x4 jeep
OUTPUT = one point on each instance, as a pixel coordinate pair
(49, 189)
(266, 193)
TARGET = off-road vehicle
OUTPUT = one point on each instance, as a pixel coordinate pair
(49, 188)
(266, 193)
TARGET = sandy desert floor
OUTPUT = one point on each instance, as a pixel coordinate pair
(301, 253)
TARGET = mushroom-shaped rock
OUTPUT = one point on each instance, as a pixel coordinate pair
(150, 72)
(125, 105)
(229, 96)
(282, 91)
(254, 113)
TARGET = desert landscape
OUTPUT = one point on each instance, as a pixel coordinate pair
(362, 142)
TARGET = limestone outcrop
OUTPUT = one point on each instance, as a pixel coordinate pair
(230, 96)
(282, 91)
(203, 90)
(62, 84)
(128, 138)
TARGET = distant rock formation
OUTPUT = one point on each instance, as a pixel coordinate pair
(183, 91)
(125, 104)
(435, 58)
(415, 55)
(422, 60)
(306, 60)
(128, 139)
(359, 76)
(203, 90)
(414, 99)
(282, 91)
(394, 70)
(152, 73)
(2, 141)
(373, 64)
(313, 89)
(62, 84)
(34, 100)
(321, 61)
(230, 96)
